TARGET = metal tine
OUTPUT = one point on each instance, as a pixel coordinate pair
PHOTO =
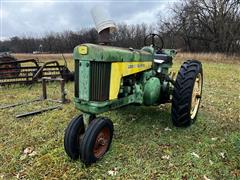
(19, 104)
(38, 111)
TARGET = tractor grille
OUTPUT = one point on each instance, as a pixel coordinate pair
(99, 81)
(76, 78)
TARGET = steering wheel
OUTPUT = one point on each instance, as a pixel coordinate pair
(159, 45)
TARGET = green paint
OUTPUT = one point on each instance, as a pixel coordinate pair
(151, 91)
(170, 52)
(113, 54)
(86, 119)
(84, 80)
(146, 90)
(100, 107)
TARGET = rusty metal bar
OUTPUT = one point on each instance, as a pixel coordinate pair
(44, 88)
(29, 73)
(19, 104)
(44, 66)
(17, 77)
(62, 88)
(63, 93)
(34, 61)
(38, 111)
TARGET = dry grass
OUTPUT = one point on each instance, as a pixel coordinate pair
(44, 57)
(210, 57)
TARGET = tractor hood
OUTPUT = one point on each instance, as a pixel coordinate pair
(93, 52)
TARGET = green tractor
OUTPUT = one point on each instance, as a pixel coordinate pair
(108, 77)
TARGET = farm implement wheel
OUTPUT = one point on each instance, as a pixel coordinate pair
(187, 93)
(96, 140)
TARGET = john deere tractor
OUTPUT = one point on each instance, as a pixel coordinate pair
(108, 77)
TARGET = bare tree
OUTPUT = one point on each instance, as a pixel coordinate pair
(207, 25)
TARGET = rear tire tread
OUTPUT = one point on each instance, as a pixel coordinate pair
(182, 93)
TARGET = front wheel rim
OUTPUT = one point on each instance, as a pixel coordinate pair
(102, 142)
(196, 95)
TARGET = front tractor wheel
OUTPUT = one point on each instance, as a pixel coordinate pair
(96, 141)
(187, 93)
(73, 136)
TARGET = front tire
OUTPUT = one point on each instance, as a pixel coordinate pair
(96, 141)
(73, 135)
(187, 93)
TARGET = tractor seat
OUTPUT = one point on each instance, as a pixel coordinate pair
(162, 58)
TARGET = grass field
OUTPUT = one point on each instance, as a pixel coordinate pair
(145, 144)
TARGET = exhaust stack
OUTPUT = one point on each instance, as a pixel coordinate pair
(104, 24)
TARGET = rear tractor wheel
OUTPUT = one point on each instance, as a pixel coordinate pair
(187, 93)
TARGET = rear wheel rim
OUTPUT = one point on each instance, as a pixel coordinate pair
(196, 95)
(102, 142)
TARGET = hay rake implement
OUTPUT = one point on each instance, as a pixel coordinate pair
(28, 71)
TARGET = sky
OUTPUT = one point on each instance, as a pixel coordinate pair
(38, 17)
